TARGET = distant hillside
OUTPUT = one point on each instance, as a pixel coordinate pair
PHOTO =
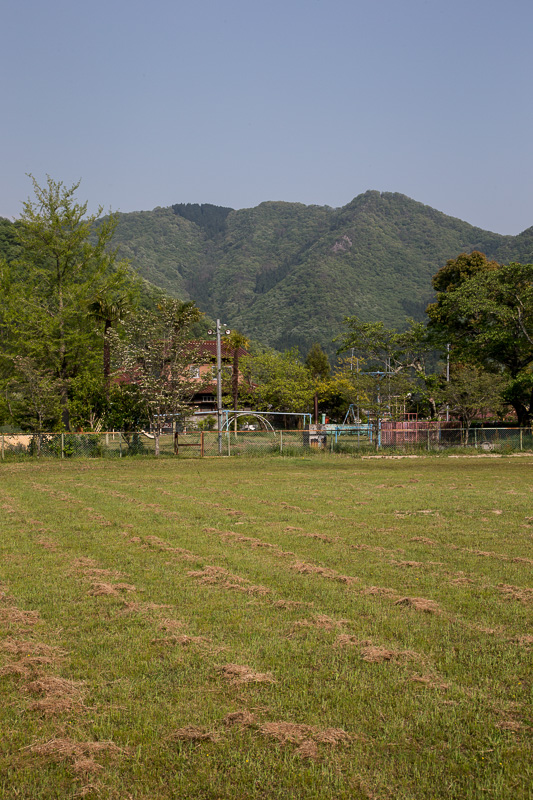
(286, 274)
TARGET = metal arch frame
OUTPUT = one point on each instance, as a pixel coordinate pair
(235, 414)
(231, 415)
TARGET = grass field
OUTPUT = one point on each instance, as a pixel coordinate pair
(319, 627)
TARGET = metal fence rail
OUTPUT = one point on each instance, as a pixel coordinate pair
(193, 444)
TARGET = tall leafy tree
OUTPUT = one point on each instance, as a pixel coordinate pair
(61, 266)
(109, 307)
(156, 355)
(237, 343)
(317, 364)
(394, 363)
(279, 381)
(471, 391)
(488, 320)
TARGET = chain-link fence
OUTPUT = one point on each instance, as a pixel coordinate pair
(195, 444)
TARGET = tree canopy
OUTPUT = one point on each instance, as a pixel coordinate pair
(48, 335)
(487, 317)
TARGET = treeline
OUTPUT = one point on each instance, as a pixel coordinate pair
(73, 315)
(86, 344)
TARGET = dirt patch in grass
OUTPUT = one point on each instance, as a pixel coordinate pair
(250, 540)
(430, 681)
(321, 622)
(240, 673)
(492, 554)
(347, 640)
(423, 540)
(114, 589)
(312, 569)
(526, 640)
(378, 655)
(27, 666)
(241, 719)
(419, 604)
(307, 749)
(13, 617)
(84, 562)
(27, 647)
(218, 576)
(320, 536)
(183, 640)
(48, 544)
(191, 733)
(160, 544)
(382, 591)
(461, 580)
(58, 695)
(80, 754)
(290, 604)
(291, 733)
(523, 595)
(513, 725)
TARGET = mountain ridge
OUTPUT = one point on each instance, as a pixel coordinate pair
(286, 274)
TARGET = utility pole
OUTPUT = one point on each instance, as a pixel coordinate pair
(219, 390)
(219, 383)
(447, 378)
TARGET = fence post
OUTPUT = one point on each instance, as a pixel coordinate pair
(62, 445)
(428, 440)
(475, 438)
(119, 444)
(521, 440)
(2, 447)
(281, 441)
(201, 443)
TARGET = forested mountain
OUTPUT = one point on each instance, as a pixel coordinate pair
(286, 274)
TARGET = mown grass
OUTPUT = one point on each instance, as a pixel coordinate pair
(266, 628)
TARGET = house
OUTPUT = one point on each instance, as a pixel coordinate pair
(205, 400)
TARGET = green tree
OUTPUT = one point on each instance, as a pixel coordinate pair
(279, 382)
(237, 344)
(88, 401)
(457, 270)
(394, 364)
(470, 392)
(109, 307)
(156, 355)
(32, 396)
(49, 287)
(317, 364)
(488, 321)
(126, 412)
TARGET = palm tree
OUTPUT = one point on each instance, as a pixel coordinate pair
(110, 311)
(236, 341)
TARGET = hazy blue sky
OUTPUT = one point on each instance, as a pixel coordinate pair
(236, 102)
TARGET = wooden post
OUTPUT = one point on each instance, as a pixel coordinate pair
(201, 443)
